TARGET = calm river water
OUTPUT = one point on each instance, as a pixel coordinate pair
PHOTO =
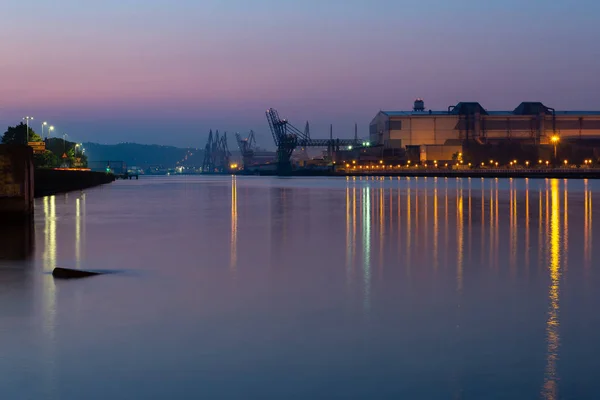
(273, 288)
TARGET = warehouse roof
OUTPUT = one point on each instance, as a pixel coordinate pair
(469, 108)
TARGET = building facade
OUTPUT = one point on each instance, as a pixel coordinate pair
(530, 122)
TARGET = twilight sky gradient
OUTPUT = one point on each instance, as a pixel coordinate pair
(166, 71)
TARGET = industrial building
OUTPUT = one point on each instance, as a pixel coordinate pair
(530, 122)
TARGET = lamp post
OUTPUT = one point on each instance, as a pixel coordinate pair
(50, 129)
(555, 139)
(43, 125)
(27, 118)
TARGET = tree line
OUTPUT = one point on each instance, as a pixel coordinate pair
(56, 148)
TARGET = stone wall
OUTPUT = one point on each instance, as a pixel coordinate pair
(49, 181)
(16, 182)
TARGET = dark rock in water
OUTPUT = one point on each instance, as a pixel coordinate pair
(66, 273)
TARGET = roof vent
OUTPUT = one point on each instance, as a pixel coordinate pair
(419, 105)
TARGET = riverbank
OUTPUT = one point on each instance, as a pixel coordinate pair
(51, 181)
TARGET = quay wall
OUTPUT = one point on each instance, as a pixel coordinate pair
(50, 181)
(16, 182)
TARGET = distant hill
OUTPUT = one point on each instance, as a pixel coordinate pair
(144, 156)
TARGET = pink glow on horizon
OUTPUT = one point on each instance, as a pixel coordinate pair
(223, 63)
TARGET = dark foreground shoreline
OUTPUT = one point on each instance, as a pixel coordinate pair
(49, 181)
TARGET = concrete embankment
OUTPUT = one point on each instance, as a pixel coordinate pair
(558, 173)
(50, 181)
(16, 182)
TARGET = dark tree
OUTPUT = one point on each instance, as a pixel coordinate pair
(17, 135)
(46, 159)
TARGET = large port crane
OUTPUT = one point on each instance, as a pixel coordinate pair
(216, 154)
(287, 138)
(247, 147)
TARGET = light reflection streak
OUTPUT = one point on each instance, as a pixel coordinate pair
(391, 207)
(446, 235)
(353, 255)
(483, 235)
(459, 240)
(349, 243)
(366, 236)
(408, 230)
(435, 227)
(49, 291)
(470, 223)
(496, 226)
(491, 226)
(417, 215)
(566, 227)
(234, 226)
(587, 227)
(78, 233)
(381, 229)
(550, 388)
(513, 228)
(527, 224)
(425, 221)
(540, 221)
(399, 223)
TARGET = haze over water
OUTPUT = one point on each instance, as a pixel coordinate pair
(272, 288)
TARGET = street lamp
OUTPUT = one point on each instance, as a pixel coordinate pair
(555, 139)
(27, 118)
(43, 125)
(50, 129)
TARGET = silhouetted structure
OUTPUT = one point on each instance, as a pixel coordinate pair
(247, 147)
(216, 154)
(287, 138)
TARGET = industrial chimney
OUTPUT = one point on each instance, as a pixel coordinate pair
(419, 105)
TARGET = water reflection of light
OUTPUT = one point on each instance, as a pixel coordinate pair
(425, 215)
(550, 389)
(513, 227)
(353, 227)
(492, 230)
(587, 226)
(50, 233)
(49, 258)
(459, 240)
(78, 233)
(527, 224)
(366, 226)
(446, 235)
(381, 229)
(349, 243)
(540, 230)
(49, 292)
(234, 227)
(408, 229)
(399, 222)
(565, 227)
(470, 229)
(496, 223)
(435, 227)
(483, 235)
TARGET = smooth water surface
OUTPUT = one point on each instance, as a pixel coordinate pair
(273, 288)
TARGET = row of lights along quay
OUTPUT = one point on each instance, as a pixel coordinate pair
(515, 168)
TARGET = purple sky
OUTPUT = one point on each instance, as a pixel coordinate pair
(163, 71)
